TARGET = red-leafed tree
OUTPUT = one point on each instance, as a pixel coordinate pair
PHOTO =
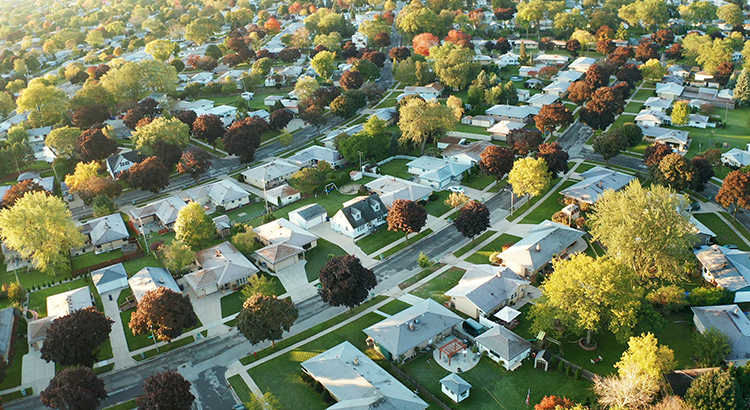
(87, 116)
(375, 56)
(187, 117)
(723, 72)
(163, 312)
(646, 50)
(209, 128)
(272, 25)
(194, 161)
(573, 46)
(148, 175)
(351, 80)
(406, 216)
(523, 141)
(502, 45)
(554, 403)
(400, 53)
(280, 118)
(547, 73)
(630, 74)
(654, 153)
(473, 219)
(503, 13)
(169, 154)
(605, 46)
(674, 52)
(266, 317)
(553, 116)
(243, 137)
(382, 40)
(17, 192)
(703, 172)
(166, 390)
(345, 282)
(496, 161)
(556, 158)
(735, 192)
(579, 92)
(74, 388)
(93, 145)
(459, 38)
(75, 339)
(423, 42)
(663, 37)
(597, 77)
(289, 55)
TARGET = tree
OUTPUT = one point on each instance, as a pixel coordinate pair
(308, 180)
(368, 69)
(711, 55)
(406, 216)
(163, 312)
(630, 74)
(148, 175)
(608, 145)
(373, 142)
(420, 120)
(382, 40)
(7, 105)
(160, 49)
(74, 339)
(631, 133)
(555, 157)
(703, 172)
(714, 390)
(351, 80)
(194, 161)
(243, 137)
(742, 89)
(135, 80)
(103, 206)
(415, 18)
(266, 318)
(399, 53)
(473, 219)
(209, 128)
(597, 77)
(579, 92)
(646, 50)
(262, 67)
(529, 176)
(553, 116)
(724, 72)
(620, 218)
(675, 172)
(323, 64)
(573, 46)
(193, 227)
(166, 390)
(680, 113)
(731, 13)
(344, 106)
(502, 45)
(735, 192)
(47, 103)
(169, 154)
(87, 116)
(200, 30)
(459, 38)
(18, 191)
(172, 131)
(16, 295)
(605, 46)
(74, 388)
(654, 153)
(496, 161)
(345, 282)
(646, 357)
(457, 105)
(87, 182)
(653, 70)
(280, 119)
(553, 403)
(177, 256)
(454, 65)
(711, 348)
(93, 145)
(41, 228)
(305, 87)
(456, 199)
(632, 391)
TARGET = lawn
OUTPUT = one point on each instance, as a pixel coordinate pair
(240, 388)
(247, 209)
(232, 303)
(470, 129)
(394, 307)
(736, 224)
(469, 246)
(379, 239)
(621, 120)
(724, 233)
(13, 369)
(388, 103)
(134, 266)
(483, 255)
(332, 202)
(436, 288)
(549, 207)
(519, 210)
(583, 167)
(734, 135)
(479, 182)
(36, 278)
(642, 95)
(140, 341)
(438, 207)
(91, 258)
(163, 349)
(419, 276)
(38, 299)
(317, 257)
(396, 168)
(412, 240)
(634, 107)
(128, 405)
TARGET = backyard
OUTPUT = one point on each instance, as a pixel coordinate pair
(38, 299)
(396, 168)
(438, 208)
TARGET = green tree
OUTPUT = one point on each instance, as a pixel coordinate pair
(177, 256)
(305, 87)
(415, 18)
(712, 54)
(193, 226)
(454, 65)
(266, 318)
(742, 88)
(645, 356)
(7, 105)
(680, 113)
(172, 131)
(323, 64)
(620, 218)
(420, 120)
(731, 13)
(47, 103)
(675, 172)
(308, 180)
(62, 141)
(529, 176)
(201, 29)
(258, 284)
(135, 80)
(373, 142)
(653, 70)
(711, 348)
(103, 206)
(714, 390)
(160, 49)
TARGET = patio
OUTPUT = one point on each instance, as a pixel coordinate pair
(455, 356)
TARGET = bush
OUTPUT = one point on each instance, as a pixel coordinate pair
(710, 297)
(220, 209)
(433, 197)
(423, 261)
(326, 397)
(569, 370)
(507, 245)
(318, 387)
(495, 258)
(553, 361)
(577, 374)
(363, 190)
(561, 366)
(240, 178)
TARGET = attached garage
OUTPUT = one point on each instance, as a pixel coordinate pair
(110, 278)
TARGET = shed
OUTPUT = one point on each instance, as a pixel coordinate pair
(308, 216)
(110, 278)
(455, 387)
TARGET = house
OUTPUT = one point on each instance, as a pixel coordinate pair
(356, 382)
(61, 304)
(731, 321)
(270, 174)
(726, 268)
(678, 71)
(148, 279)
(657, 104)
(528, 71)
(404, 334)
(523, 95)
(223, 193)
(227, 113)
(359, 216)
(122, 162)
(699, 121)
(570, 76)
(282, 76)
(595, 182)
(387, 114)
(582, 64)
(428, 92)
(308, 216)
(329, 140)
(507, 59)
(478, 120)
(163, 212)
(110, 278)
(503, 346)
(390, 188)
(260, 114)
(436, 173)
(219, 268)
(558, 88)
(677, 139)
(530, 44)
(648, 118)
(543, 242)
(501, 130)
(524, 113)
(533, 83)
(703, 76)
(455, 387)
(223, 225)
(703, 234)
(485, 289)
(680, 380)
(466, 154)
(553, 60)
(284, 243)
(736, 158)
(7, 330)
(203, 78)
(103, 234)
(540, 100)
(673, 79)
(282, 195)
(197, 105)
(271, 100)
(669, 91)
(448, 140)
(312, 155)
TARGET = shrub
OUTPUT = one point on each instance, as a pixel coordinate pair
(423, 261)
(561, 366)
(220, 208)
(433, 197)
(568, 370)
(494, 258)
(539, 277)
(577, 374)
(507, 245)
(553, 361)
(318, 387)
(709, 297)
(240, 178)
(326, 396)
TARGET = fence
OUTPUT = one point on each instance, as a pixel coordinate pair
(469, 135)
(389, 159)
(125, 258)
(419, 387)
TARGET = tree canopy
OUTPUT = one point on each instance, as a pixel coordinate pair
(345, 282)
(74, 388)
(529, 176)
(166, 390)
(164, 312)
(193, 227)
(75, 339)
(265, 317)
(406, 216)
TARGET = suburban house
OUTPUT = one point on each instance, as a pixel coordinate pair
(530, 44)
(501, 130)
(103, 234)
(311, 156)
(270, 174)
(227, 113)
(504, 347)
(271, 100)
(726, 268)
(736, 158)
(308, 216)
(508, 58)
(391, 188)
(404, 334)
(7, 328)
(657, 104)
(163, 212)
(570, 76)
(282, 195)
(703, 76)
(485, 289)
(533, 82)
(437, 173)
(148, 279)
(478, 120)
(699, 121)
(223, 193)
(284, 243)
(731, 321)
(61, 304)
(540, 100)
(197, 105)
(429, 92)
(219, 268)
(553, 60)
(455, 387)
(110, 278)
(649, 118)
(595, 182)
(524, 113)
(359, 216)
(558, 88)
(669, 91)
(203, 78)
(536, 250)
(356, 382)
(469, 154)
(329, 140)
(677, 139)
(678, 70)
(582, 64)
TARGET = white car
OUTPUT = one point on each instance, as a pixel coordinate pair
(248, 96)
(456, 189)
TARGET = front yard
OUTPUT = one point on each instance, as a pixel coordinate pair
(725, 235)
(232, 303)
(549, 207)
(318, 257)
(483, 255)
(436, 288)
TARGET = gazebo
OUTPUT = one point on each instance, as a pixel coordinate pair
(507, 315)
(451, 348)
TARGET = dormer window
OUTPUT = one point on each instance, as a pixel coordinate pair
(375, 206)
(356, 214)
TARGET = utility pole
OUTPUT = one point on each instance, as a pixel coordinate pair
(360, 153)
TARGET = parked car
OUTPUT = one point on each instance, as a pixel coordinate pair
(516, 78)
(695, 206)
(730, 246)
(456, 189)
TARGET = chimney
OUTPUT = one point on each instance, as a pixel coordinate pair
(356, 361)
(538, 247)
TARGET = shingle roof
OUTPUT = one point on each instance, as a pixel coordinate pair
(487, 286)
(165, 210)
(149, 278)
(365, 207)
(222, 264)
(504, 342)
(271, 171)
(392, 188)
(106, 229)
(219, 192)
(551, 238)
(730, 320)
(310, 212)
(455, 384)
(109, 274)
(596, 181)
(7, 318)
(729, 268)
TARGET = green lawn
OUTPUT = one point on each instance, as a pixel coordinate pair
(469, 246)
(38, 299)
(394, 307)
(388, 103)
(247, 209)
(583, 167)
(621, 120)
(724, 234)
(642, 95)
(132, 267)
(396, 168)
(483, 255)
(90, 259)
(128, 405)
(13, 370)
(634, 107)
(240, 388)
(163, 349)
(332, 202)
(317, 258)
(412, 240)
(470, 129)
(736, 224)
(141, 341)
(232, 303)
(549, 207)
(438, 207)
(735, 135)
(36, 278)
(436, 288)
(378, 239)
(519, 210)
(480, 181)
(421, 275)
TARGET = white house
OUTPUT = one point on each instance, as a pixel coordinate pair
(103, 234)
(390, 188)
(648, 118)
(726, 268)
(595, 182)
(530, 44)
(455, 387)
(507, 59)
(61, 304)
(110, 278)
(554, 60)
(122, 161)
(219, 268)
(504, 347)
(485, 289)
(540, 100)
(202, 78)
(669, 91)
(559, 88)
(284, 243)
(679, 140)
(678, 70)
(312, 155)
(437, 173)
(731, 321)
(148, 279)
(308, 216)
(699, 121)
(570, 76)
(657, 104)
(582, 64)
(223, 193)
(359, 216)
(736, 157)
(282, 195)
(501, 130)
(164, 212)
(270, 174)
(478, 120)
(428, 92)
(227, 113)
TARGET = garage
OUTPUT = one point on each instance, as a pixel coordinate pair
(110, 278)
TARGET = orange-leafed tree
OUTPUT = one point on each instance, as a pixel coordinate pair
(553, 403)
(272, 25)
(459, 38)
(423, 42)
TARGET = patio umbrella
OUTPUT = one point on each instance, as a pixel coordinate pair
(507, 314)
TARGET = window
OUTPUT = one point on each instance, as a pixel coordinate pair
(242, 281)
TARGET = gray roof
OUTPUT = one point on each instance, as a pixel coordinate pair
(165, 210)
(729, 268)
(106, 229)
(551, 239)
(595, 182)
(394, 333)
(455, 384)
(221, 264)
(503, 342)
(219, 192)
(148, 279)
(370, 208)
(270, 171)
(357, 382)
(109, 274)
(391, 188)
(731, 321)
(114, 160)
(315, 153)
(487, 286)
(437, 169)
(310, 212)
(7, 318)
